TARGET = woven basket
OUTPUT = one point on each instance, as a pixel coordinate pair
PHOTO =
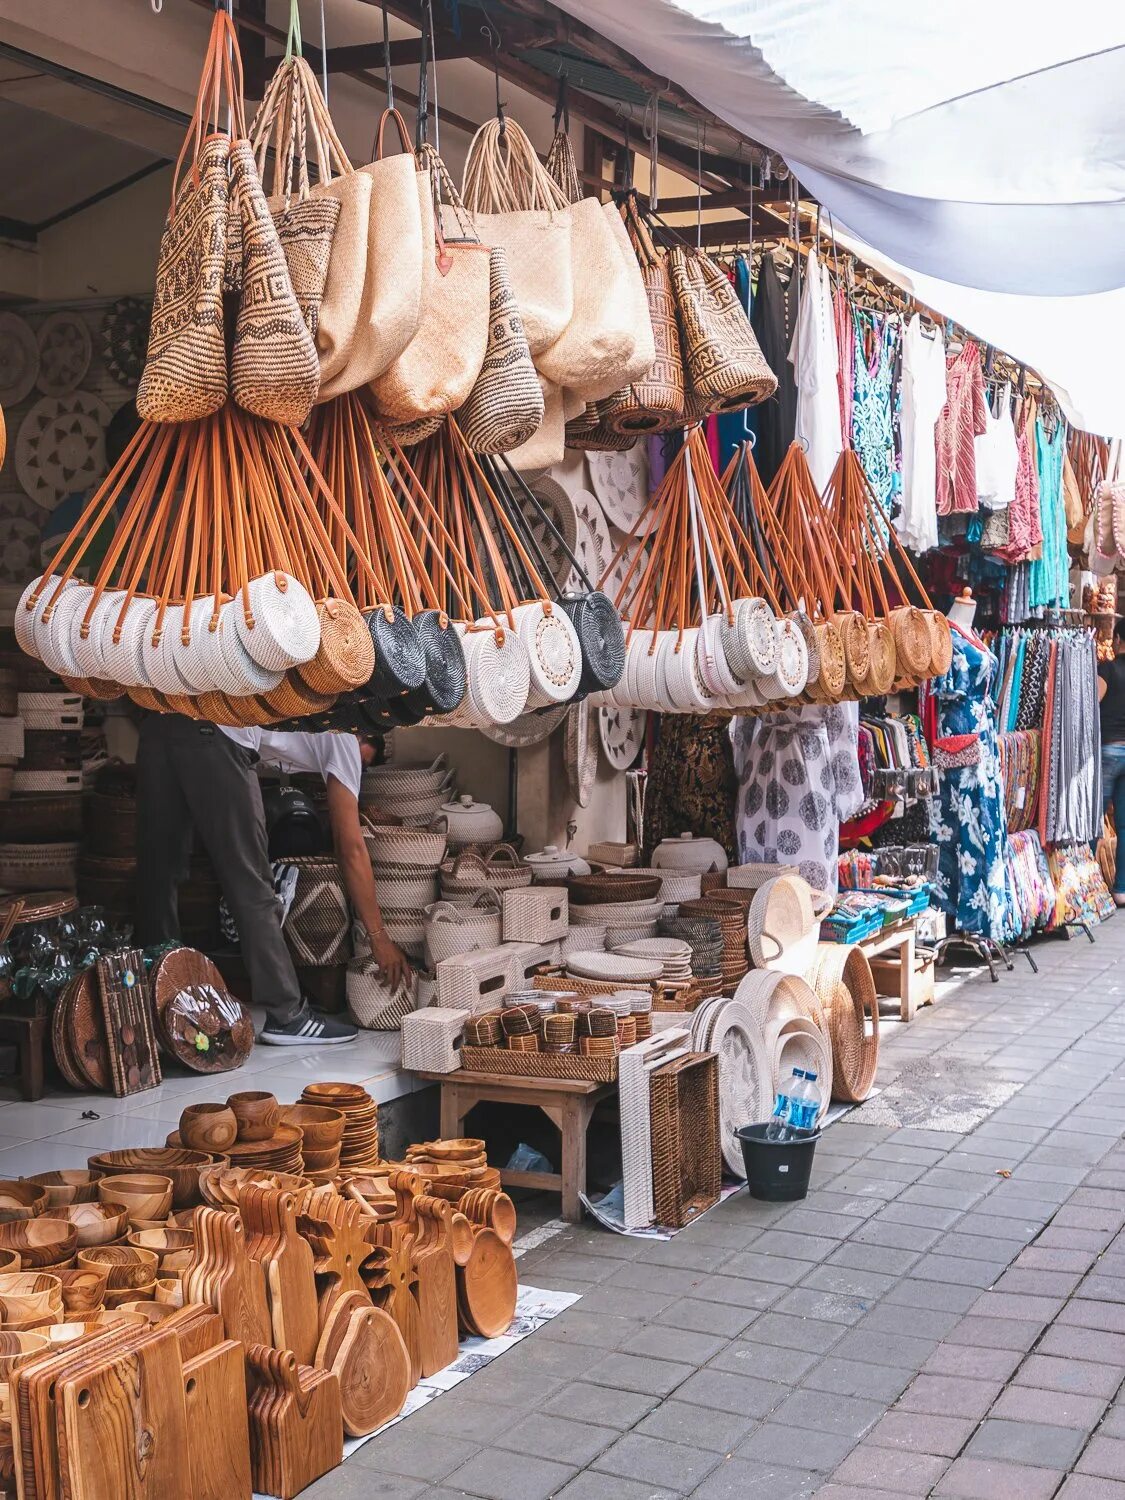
(684, 1125)
(677, 885)
(536, 914)
(406, 894)
(608, 890)
(404, 846)
(941, 654)
(846, 990)
(853, 629)
(474, 981)
(882, 662)
(798, 1043)
(318, 927)
(772, 997)
(783, 925)
(109, 825)
(914, 642)
(569, 1065)
(452, 930)
(52, 750)
(50, 710)
(502, 870)
(431, 1039)
(6, 775)
(371, 1003)
(46, 783)
(39, 867)
(750, 877)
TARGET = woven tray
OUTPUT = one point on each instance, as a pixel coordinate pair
(539, 1064)
(684, 1123)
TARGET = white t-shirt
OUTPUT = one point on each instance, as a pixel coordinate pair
(327, 754)
(997, 457)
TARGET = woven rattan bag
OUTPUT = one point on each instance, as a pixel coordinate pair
(438, 368)
(185, 373)
(655, 400)
(318, 927)
(514, 202)
(372, 1004)
(506, 406)
(726, 368)
(608, 342)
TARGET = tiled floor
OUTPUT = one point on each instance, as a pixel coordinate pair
(943, 1315)
(65, 1128)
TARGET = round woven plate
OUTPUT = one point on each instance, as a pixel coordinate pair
(782, 926)
(593, 549)
(198, 1020)
(846, 990)
(528, 729)
(614, 966)
(19, 359)
(559, 510)
(620, 484)
(621, 732)
(60, 447)
(798, 1043)
(745, 1077)
(65, 348)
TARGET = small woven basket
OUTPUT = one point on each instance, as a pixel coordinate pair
(431, 1039)
(372, 1004)
(39, 867)
(536, 914)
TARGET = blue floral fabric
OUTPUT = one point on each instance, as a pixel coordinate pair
(974, 880)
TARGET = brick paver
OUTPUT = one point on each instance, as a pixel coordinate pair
(919, 1325)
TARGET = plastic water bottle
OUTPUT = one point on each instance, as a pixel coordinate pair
(804, 1103)
(778, 1128)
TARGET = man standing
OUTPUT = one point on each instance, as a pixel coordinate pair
(192, 774)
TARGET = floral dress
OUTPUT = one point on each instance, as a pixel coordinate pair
(974, 877)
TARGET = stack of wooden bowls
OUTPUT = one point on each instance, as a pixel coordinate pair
(322, 1134)
(359, 1146)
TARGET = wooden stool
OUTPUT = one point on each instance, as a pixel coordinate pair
(567, 1103)
(28, 1033)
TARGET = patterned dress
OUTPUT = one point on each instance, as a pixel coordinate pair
(964, 418)
(974, 878)
(872, 417)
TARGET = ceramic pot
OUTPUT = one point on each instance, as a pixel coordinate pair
(467, 822)
(689, 853)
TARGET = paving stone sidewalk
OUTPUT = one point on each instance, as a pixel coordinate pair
(944, 1314)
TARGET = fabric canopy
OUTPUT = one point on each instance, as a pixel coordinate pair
(981, 144)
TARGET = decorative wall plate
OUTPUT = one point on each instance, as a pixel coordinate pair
(620, 484)
(61, 446)
(560, 508)
(65, 349)
(19, 549)
(620, 570)
(124, 336)
(528, 729)
(593, 550)
(622, 733)
(581, 753)
(19, 359)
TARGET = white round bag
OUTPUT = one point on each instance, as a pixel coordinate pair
(750, 644)
(286, 628)
(499, 673)
(553, 650)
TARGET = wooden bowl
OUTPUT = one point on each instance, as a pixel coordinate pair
(257, 1114)
(127, 1268)
(96, 1223)
(180, 1166)
(170, 1291)
(29, 1294)
(39, 1242)
(15, 1348)
(321, 1128)
(208, 1127)
(321, 1161)
(151, 1311)
(175, 1245)
(10, 1260)
(144, 1194)
(21, 1200)
(72, 1185)
(83, 1290)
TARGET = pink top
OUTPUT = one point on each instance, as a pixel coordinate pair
(963, 419)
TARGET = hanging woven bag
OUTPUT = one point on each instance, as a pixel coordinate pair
(505, 406)
(726, 369)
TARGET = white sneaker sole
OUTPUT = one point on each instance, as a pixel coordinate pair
(276, 1039)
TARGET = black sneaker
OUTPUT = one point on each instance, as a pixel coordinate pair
(310, 1029)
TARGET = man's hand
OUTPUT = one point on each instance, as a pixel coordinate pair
(392, 961)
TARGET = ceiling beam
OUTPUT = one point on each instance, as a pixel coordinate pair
(407, 52)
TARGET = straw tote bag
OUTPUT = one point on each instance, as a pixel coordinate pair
(506, 405)
(654, 402)
(437, 370)
(274, 369)
(306, 226)
(726, 368)
(514, 202)
(608, 342)
(185, 372)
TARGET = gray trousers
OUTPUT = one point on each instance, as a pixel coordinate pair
(191, 776)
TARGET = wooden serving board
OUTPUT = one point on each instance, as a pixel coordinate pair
(487, 1286)
(124, 1433)
(296, 1424)
(127, 1012)
(218, 1426)
(286, 1259)
(437, 1285)
(373, 1368)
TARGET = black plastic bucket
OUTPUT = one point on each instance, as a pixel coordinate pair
(777, 1171)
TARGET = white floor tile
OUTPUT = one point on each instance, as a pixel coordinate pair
(30, 1122)
(29, 1157)
(113, 1134)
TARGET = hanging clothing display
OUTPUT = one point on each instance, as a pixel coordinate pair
(923, 397)
(845, 347)
(872, 427)
(798, 778)
(815, 357)
(961, 422)
(997, 455)
(1020, 761)
(1033, 888)
(773, 319)
(973, 884)
(691, 782)
(1049, 575)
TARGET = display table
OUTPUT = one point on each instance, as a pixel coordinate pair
(567, 1103)
(898, 939)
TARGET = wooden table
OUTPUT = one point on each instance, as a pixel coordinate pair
(900, 937)
(567, 1103)
(29, 1035)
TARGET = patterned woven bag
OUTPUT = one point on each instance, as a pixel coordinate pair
(506, 404)
(656, 402)
(274, 368)
(726, 369)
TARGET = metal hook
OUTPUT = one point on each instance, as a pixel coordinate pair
(562, 102)
(386, 55)
(491, 34)
(157, 6)
(652, 135)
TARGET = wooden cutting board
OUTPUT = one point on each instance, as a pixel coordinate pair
(286, 1260)
(437, 1285)
(373, 1368)
(218, 1427)
(123, 1434)
(296, 1425)
(487, 1286)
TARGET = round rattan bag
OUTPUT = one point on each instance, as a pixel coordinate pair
(277, 621)
(842, 980)
(913, 640)
(882, 661)
(833, 661)
(941, 656)
(853, 628)
(345, 657)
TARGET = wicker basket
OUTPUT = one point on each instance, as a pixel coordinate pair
(686, 1157)
(318, 927)
(371, 1003)
(405, 846)
(750, 877)
(50, 710)
(452, 930)
(6, 775)
(410, 894)
(609, 852)
(431, 1040)
(110, 824)
(525, 961)
(26, 820)
(9, 701)
(40, 783)
(502, 870)
(39, 867)
(536, 914)
(571, 1065)
(475, 981)
(844, 985)
(52, 750)
(604, 890)
(110, 883)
